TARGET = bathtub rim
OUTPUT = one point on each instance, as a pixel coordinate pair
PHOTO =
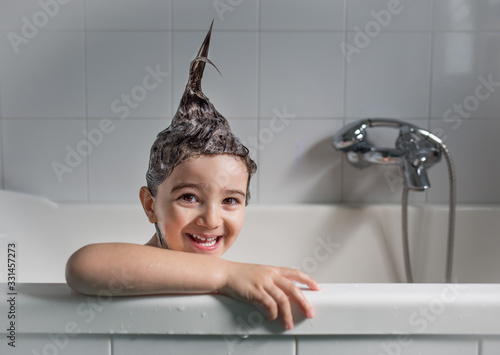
(341, 309)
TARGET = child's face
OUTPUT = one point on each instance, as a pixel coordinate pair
(200, 207)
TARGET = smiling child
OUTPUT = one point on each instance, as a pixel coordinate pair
(197, 189)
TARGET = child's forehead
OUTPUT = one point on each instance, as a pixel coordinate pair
(221, 169)
(225, 162)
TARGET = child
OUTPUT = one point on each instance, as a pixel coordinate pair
(198, 186)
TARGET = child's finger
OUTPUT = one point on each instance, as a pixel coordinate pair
(269, 305)
(297, 275)
(297, 296)
(283, 302)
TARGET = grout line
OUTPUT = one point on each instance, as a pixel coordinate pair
(258, 88)
(86, 99)
(344, 67)
(126, 30)
(2, 156)
(344, 103)
(2, 146)
(252, 30)
(289, 30)
(171, 65)
(431, 63)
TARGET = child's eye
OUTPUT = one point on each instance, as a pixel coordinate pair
(188, 198)
(230, 201)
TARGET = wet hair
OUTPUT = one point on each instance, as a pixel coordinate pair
(196, 129)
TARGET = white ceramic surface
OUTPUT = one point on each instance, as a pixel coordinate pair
(334, 243)
(120, 64)
(420, 63)
(340, 309)
(24, 87)
(355, 252)
(47, 149)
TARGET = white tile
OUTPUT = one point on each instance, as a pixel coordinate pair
(490, 345)
(118, 164)
(466, 75)
(62, 344)
(376, 15)
(172, 344)
(403, 344)
(245, 130)
(227, 15)
(234, 94)
(297, 161)
(42, 157)
(27, 17)
(301, 15)
(302, 71)
(378, 183)
(474, 151)
(389, 76)
(127, 15)
(1, 155)
(467, 15)
(119, 79)
(45, 78)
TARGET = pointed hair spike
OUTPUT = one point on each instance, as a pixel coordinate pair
(194, 103)
(198, 64)
(203, 52)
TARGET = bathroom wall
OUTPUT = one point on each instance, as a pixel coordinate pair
(85, 85)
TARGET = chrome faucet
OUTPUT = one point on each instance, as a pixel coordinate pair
(415, 150)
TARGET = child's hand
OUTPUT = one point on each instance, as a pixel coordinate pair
(270, 287)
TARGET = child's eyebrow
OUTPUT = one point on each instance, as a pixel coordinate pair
(237, 192)
(200, 187)
(186, 185)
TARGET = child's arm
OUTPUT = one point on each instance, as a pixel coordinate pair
(131, 269)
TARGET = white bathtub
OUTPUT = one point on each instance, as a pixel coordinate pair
(355, 252)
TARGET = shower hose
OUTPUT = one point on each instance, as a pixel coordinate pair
(451, 220)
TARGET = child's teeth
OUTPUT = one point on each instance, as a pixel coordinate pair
(207, 242)
(198, 237)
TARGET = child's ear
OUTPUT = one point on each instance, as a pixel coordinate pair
(147, 203)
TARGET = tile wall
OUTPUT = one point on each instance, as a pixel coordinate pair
(85, 85)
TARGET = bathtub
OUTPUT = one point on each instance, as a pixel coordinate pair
(355, 252)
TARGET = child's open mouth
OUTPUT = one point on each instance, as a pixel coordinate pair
(204, 243)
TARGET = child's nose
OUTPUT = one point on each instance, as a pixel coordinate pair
(210, 217)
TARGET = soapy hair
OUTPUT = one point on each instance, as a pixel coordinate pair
(196, 129)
